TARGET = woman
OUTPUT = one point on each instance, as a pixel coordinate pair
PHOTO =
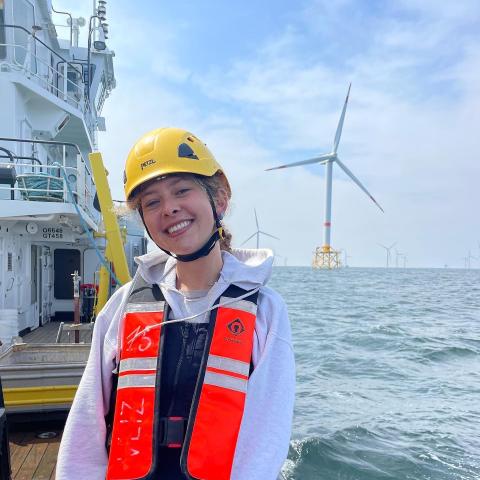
(191, 372)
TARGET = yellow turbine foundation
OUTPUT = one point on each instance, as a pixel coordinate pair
(327, 258)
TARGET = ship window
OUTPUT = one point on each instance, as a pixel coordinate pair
(24, 15)
(3, 48)
(74, 77)
(9, 261)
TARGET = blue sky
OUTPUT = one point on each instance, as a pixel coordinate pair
(263, 83)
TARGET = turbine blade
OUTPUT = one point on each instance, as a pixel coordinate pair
(250, 237)
(256, 219)
(338, 134)
(318, 159)
(268, 235)
(357, 181)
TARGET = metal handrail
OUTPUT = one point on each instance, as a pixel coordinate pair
(48, 142)
(40, 41)
(77, 62)
(41, 165)
(40, 175)
(9, 154)
(58, 92)
(71, 22)
(72, 91)
(82, 88)
(33, 159)
(89, 184)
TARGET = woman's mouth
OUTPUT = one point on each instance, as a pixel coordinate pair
(179, 228)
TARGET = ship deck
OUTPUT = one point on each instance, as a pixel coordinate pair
(31, 456)
(45, 334)
(48, 333)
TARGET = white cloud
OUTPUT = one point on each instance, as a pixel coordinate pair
(410, 133)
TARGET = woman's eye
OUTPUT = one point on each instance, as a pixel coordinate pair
(150, 204)
(183, 191)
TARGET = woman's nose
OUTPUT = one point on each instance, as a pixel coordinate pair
(170, 207)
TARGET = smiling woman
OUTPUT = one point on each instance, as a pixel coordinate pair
(191, 373)
(177, 212)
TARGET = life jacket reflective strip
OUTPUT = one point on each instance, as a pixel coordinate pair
(219, 410)
(219, 400)
(130, 453)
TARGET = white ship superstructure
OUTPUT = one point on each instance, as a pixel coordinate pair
(51, 96)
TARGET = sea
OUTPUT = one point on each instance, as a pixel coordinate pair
(388, 373)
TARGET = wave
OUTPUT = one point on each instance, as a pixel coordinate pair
(357, 453)
(449, 353)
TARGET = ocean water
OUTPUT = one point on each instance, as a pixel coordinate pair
(388, 373)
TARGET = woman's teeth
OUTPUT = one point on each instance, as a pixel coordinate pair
(179, 226)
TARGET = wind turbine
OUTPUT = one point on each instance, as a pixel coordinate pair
(397, 256)
(345, 257)
(388, 250)
(468, 259)
(276, 259)
(328, 159)
(258, 232)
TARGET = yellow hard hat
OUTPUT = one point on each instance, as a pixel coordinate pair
(164, 151)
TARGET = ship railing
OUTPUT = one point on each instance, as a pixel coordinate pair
(50, 70)
(26, 177)
(42, 183)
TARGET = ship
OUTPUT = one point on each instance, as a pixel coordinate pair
(63, 250)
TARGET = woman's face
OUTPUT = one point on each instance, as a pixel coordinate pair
(178, 214)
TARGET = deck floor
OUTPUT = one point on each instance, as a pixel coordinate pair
(44, 334)
(32, 457)
(48, 334)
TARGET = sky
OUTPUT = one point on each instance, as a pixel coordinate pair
(263, 84)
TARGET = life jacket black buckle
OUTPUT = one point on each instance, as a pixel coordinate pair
(172, 431)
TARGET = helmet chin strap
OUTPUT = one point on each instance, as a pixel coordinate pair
(206, 248)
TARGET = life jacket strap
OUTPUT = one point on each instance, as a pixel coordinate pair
(172, 431)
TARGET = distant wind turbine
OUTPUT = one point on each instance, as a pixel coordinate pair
(258, 232)
(397, 256)
(468, 260)
(328, 159)
(277, 259)
(346, 257)
(387, 249)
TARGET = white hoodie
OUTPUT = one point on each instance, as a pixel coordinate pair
(264, 436)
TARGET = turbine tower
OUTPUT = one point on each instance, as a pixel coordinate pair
(397, 256)
(258, 232)
(387, 249)
(346, 257)
(326, 256)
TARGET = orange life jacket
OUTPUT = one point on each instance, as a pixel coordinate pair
(218, 403)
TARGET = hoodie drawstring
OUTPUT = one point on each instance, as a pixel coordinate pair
(191, 317)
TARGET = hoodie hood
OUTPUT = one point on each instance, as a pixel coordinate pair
(246, 268)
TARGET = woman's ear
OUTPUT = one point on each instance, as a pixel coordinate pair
(221, 202)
